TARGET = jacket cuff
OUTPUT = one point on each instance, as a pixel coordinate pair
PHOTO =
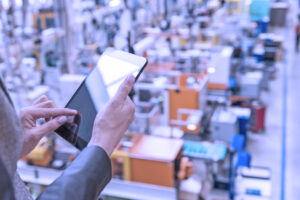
(97, 155)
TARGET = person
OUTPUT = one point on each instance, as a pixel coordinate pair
(297, 30)
(89, 173)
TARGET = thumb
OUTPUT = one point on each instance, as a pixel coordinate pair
(51, 125)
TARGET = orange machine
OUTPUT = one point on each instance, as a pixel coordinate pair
(43, 20)
(42, 154)
(148, 160)
(216, 86)
(187, 97)
(160, 67)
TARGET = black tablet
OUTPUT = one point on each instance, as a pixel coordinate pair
(96, 90)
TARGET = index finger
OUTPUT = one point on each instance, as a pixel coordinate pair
(52, 112)
(125, 88)
(40, 100)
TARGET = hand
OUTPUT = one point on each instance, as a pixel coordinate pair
(112, 122)
(42, 108)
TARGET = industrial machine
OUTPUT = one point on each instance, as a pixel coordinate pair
(258, 115)
(147, 117)
(209, 63)
(253, 183)
(219, 69)
(151, 160)
(42, 155)
(191, 94)
(223, 125)
(251, 85)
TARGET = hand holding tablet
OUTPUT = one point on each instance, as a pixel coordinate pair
(111, 123)
(100, 91)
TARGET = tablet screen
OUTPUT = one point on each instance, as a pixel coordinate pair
(97, 89)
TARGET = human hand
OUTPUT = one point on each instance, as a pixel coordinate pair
(42, 108)
(112, 122)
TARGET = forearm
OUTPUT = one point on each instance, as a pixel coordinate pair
(85, 178)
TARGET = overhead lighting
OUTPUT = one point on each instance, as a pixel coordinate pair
(115, 3)
(5, 4)
(191, 127)
(211, 70)
(193, 121)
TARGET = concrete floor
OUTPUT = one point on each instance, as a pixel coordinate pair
(293, 120)
(266, 148)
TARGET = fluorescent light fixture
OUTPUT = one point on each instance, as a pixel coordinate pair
(211, 70)
(115, 3)
(193, 121)
(191, 127)
(5, 4)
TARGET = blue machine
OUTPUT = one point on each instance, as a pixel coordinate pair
(263, 24)
(243, 116)
(232, 83)
(259, 9)
(243, 159)
(204, 150)
(243, 124)
(260, 13)
(238, 142)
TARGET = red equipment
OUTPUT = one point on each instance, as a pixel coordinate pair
(258, 115)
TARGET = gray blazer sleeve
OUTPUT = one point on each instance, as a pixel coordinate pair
(6, 187)
(84, 179)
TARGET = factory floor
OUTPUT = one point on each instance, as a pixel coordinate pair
(266, 147)
(293, 120)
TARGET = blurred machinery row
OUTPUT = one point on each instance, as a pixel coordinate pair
(198, 99)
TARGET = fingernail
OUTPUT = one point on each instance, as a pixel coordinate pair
(62, 119)
(75, 111)
(131, 79)
(71, 110)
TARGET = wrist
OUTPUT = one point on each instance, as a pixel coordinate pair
(105, 147)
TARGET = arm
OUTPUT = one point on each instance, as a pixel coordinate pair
(42, 108)
(6, 187)
(85, 178)
(91, 171)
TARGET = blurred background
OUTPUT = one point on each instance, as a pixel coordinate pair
(217, 112)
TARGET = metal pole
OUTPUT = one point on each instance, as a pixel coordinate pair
(61, 21)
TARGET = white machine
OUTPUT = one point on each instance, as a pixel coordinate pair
(241, 112)
(219, 67)
(251, 84)
(253, 183)
(224, 124)
(250, 197)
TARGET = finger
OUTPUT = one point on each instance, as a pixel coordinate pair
(51, 126)
(125, 88)
(40, 100)
(46, 104)
(51, 112)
